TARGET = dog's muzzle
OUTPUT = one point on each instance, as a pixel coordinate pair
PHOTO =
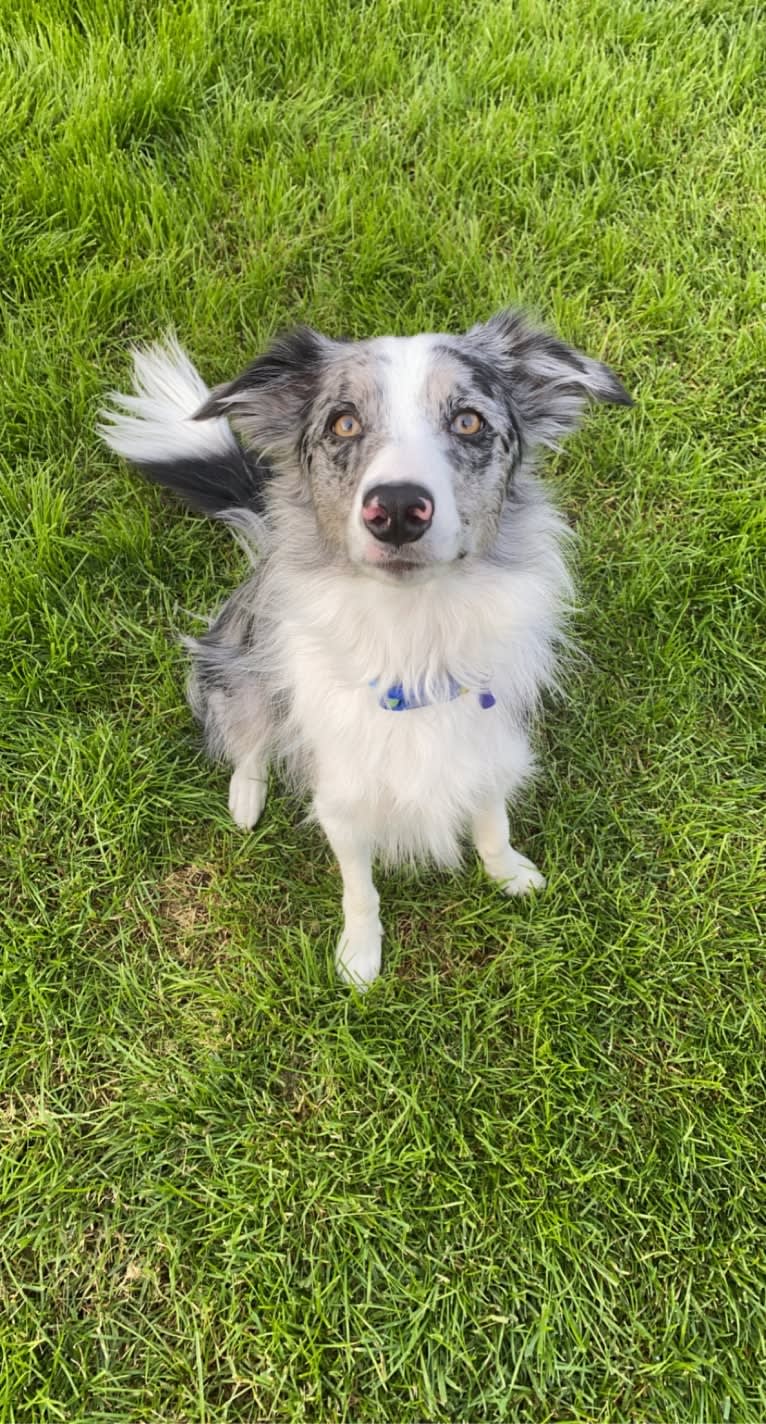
(398, 514)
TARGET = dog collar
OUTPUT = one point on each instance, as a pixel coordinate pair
(394, 699)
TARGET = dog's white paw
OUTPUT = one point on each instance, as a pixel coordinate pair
(247, 794)
(358, 955)
(515, 874)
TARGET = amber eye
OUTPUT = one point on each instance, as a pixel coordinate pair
(466, 422)
(346, 425)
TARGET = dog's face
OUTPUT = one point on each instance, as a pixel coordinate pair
(408, 446)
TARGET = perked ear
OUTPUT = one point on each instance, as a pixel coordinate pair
(548, 382)
(268, 403)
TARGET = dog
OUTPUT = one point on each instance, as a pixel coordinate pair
(409, 590)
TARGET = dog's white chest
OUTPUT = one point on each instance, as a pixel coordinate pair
(410, 780)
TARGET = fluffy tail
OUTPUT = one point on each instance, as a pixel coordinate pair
(200, 461)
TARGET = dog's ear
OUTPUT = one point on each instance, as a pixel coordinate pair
(548, 382)
(269, 402)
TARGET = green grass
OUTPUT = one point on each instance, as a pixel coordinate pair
(523, 1178)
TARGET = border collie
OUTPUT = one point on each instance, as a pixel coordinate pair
(409, 583)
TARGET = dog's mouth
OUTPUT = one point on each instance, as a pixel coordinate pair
(400, 570)
(402, 567)
(396, 567)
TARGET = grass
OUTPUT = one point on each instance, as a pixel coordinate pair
(523, 1178)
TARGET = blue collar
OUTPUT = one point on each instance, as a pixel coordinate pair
(396, 700)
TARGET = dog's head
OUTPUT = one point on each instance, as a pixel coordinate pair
(407, 447)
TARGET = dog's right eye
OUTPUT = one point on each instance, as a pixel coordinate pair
(467, 422)
(346, 426)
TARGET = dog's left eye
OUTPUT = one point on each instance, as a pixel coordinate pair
(466, 422)
(346, 425)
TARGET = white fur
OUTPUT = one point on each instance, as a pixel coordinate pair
(513, 871)
(411, 780)
(412, 455)
(155, 424)
(408, 785)
(247, 791)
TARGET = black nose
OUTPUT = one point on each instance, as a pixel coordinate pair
(398, 514)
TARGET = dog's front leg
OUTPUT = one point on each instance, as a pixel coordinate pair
(247, 789)
(491, 835)
(357, 957)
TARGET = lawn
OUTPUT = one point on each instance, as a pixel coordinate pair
(523, 1178)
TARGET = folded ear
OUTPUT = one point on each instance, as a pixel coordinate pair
(547, 382)
(270, 401)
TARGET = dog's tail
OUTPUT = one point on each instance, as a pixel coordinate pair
(201, 461)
